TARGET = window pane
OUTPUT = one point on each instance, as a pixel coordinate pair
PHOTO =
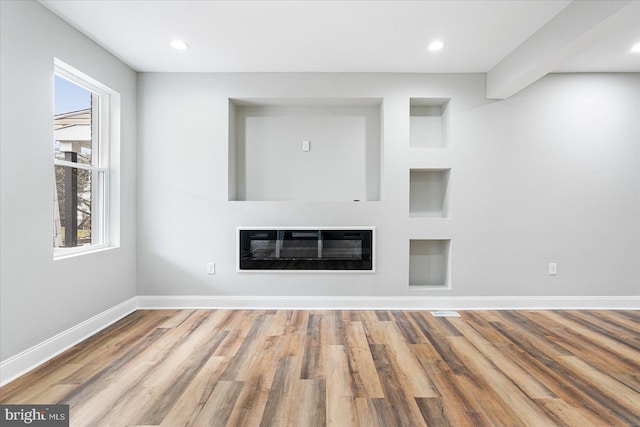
(73, 206)
(81, 172)
(74, 113)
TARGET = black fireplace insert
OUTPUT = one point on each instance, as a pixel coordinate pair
(306, 249)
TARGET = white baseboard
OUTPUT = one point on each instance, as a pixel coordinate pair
(391, 302)
(25, 361)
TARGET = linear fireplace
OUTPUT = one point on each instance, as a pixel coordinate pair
(306, 249)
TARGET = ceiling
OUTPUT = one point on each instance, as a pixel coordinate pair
(341, 36)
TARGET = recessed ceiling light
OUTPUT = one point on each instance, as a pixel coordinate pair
(179, 45)
(436, 45)
(635, 48)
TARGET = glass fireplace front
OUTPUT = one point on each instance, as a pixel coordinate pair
(306, 249)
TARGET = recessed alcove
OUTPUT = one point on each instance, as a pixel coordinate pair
(428, 119)
(305, 149)
(429, 193)
(429, 263)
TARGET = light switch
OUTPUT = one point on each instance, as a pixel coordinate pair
(306, 145)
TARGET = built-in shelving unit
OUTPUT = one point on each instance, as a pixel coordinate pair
(429, 263)
(330, 150)
(429, 193)
(305, 149)
(428, 122)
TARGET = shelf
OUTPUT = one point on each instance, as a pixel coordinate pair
(429, 263)
(429, 189)
(429, 193)
(268, 159)
(428, 117)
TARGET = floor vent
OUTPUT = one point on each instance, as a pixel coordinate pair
(445, 314)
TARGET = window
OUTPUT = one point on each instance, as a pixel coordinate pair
(81, 162)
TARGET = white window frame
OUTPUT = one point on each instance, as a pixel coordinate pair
(100, 167)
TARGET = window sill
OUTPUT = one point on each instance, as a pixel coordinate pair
(64, 253)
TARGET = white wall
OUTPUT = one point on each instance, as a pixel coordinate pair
(271, 165)
(40, 297)
(549, 175)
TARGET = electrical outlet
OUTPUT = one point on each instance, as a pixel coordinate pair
(306, 145)
(553, 268)
(211, 268)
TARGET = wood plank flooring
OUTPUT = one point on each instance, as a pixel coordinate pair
(348, 368)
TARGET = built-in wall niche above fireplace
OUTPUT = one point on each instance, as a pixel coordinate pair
(305, 149)
(306, 249)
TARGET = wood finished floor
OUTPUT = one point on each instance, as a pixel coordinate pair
(348, 368)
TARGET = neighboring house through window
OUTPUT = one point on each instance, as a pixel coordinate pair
(81, 162)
